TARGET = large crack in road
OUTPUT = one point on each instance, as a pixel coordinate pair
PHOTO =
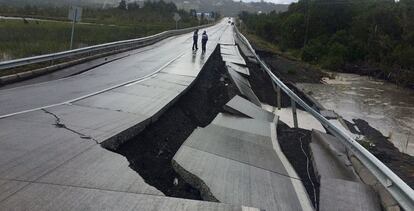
(150, 153)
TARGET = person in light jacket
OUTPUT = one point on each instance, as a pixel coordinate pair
(204, 40)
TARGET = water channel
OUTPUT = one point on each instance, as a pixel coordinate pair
(385, 106)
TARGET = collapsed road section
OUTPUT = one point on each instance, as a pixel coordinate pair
(150, 152)
(52, 159)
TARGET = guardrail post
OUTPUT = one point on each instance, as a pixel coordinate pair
(279, 98)
(276, 88)
(295, 116)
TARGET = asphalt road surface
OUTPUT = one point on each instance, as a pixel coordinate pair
(140, 64)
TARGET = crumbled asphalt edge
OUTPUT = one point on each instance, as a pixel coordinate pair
(400, 163)
(195, 182)
(288, 138)
(150, 153)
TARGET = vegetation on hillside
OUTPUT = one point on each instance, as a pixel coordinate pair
(337, 33)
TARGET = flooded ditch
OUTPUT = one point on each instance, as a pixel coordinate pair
(385, 106)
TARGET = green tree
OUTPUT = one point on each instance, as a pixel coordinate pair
(293, 31)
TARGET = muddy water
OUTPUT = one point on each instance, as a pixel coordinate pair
(386, 107)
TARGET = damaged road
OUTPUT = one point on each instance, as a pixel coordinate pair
(58, 124)
(150, 152)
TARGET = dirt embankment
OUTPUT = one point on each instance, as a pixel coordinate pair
(400, 163)
(291, 70)
(150, 153)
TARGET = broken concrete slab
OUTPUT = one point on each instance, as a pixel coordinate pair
(231, 50)
(239, 77)
(330, 142)
(305, 120)
(244, 87)
(243, 135)
(337, 194)
(237, 183)
(247, 125)
(239, 105)
(53, 197)
(342, 126)
(227, 49)
(236, 149)
(244, 49)
(239, 169)
(329, 114)
(233, 59)
(328, 165)
(99, 168)
(252, 60)
(238, 68)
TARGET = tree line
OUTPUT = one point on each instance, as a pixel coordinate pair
(333, 33)
(126, 13)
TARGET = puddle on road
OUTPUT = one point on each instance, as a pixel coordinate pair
(385, 106)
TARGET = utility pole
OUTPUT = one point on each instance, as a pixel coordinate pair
(176, 18)
(75, 14)
(73, 30)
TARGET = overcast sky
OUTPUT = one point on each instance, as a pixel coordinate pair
(275, 1)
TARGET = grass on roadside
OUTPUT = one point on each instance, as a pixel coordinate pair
(19, 39)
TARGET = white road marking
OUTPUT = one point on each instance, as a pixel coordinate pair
(98, 92)
(297, 184)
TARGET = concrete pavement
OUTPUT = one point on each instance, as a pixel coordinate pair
(51, 132)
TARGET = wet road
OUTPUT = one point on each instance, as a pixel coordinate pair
(140, 64)
(385, 106)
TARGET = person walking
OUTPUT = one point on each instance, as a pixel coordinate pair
(195, 40)
(204, 40)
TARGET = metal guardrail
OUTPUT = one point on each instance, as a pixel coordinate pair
(401, 192)
(107, 47)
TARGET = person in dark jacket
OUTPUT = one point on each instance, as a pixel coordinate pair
(204, 40)
(195, 40)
